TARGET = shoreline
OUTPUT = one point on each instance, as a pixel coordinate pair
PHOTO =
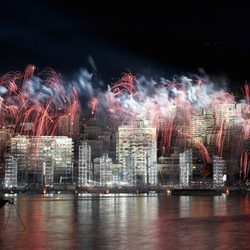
(132, 190)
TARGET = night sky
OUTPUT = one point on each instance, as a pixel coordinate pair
(149, 38)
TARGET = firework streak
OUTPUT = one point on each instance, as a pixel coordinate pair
(185, 111)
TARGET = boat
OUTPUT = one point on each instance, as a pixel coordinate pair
(3, 201)
(196, 192)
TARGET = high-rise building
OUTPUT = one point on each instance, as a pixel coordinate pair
(103, 169)
(219, 167)
(228, 112)
(19, 149)
(168, 168)
(85, 172)
(116, 174)
(186, 168)
(5, 135)
(97, 138)
(201, 124)
(10, 171)
(91, 130)
(48, 172)
(106, 174)
(68, 125)
(136, 151)
(39, 157)
(130, 169)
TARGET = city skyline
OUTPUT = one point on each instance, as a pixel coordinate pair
(185, 113)
(124, 125)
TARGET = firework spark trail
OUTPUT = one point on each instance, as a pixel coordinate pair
(42, 97)
(245, 118)
(125, 84)
(245, 121)
(124, 96)
(173, 104)
(161, 106)
(201, 147)
(219, 139)
(94, 103)
(28, 73)
(244, 165)
(25, 98)
(167, 135)
(74, 110)
(247, 92)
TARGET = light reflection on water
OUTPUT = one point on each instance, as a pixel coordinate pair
(127, 222)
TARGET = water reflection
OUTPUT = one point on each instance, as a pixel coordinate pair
(127, 222)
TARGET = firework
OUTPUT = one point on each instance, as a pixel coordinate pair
(41, 98)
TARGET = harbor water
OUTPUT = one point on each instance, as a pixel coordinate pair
(66, 221)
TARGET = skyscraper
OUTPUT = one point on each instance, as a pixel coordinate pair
(186, 168)
(85, 172)
(10, 177)
(19, 149)
(5, 135)
(39, 157)
(136, 151)
(68, 125)
(106, 174)
(201, 125)
(219, 167)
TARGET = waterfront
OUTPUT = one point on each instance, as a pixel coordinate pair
(65, 221)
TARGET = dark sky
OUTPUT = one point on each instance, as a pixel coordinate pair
(150, 37)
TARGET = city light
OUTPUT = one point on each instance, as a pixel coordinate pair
(138, 132)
